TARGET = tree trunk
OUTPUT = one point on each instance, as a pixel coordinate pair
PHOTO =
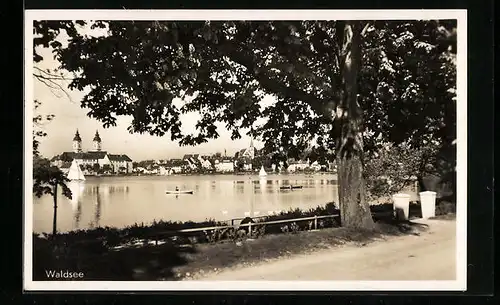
(354, 209)
(54, 223)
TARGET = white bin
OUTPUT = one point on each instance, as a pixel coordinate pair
(428, 204)
(402, 202)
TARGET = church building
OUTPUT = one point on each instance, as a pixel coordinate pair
(117, 163)
(245, 156)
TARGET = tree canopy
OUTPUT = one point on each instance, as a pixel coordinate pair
(224, 69)
(47, 178)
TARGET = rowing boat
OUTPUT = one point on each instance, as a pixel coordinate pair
(179, 192)
(290, 187)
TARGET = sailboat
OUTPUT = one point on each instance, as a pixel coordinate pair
(262, 172)
(75, 173)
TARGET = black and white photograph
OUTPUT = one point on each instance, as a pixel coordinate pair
(245, 150)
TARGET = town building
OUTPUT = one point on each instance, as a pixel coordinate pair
(192, 162)
(245, 157)
(164, 171)
(295, 166)
(175, 166)
(224, 165)
(205, 163)
(95, 159)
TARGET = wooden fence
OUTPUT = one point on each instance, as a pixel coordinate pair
(156, 236)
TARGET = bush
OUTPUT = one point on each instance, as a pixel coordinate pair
(391, 169)
(444, 207)
(328, 209)
(101, 238)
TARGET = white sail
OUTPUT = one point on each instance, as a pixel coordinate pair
(75, 173)
(262, 172)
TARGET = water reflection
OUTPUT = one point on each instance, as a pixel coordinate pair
(240, 188)
(97, 215)
(77, 189)
(77, 216)
(119, 202)
(107, 189)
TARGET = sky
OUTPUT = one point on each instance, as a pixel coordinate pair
(69, 117)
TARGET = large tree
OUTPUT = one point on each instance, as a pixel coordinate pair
(339, 86)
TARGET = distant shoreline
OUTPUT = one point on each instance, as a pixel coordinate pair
(217, 174)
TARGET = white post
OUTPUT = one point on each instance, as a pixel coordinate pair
(428, 204)
(402, 203)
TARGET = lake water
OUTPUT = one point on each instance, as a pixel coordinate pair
(123, 201)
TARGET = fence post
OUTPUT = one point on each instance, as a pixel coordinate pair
(250, 228)
(315, 222)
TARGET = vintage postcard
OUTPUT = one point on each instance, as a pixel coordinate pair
(245, 150)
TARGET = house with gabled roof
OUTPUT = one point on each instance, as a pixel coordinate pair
(206, 163)
(192, 161)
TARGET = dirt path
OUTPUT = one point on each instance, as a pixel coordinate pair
(429, 256)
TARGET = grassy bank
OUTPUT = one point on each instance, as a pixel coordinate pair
(177, 256)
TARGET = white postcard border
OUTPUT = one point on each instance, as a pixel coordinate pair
(461, 215)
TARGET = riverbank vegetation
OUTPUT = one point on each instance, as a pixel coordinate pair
(156, 251)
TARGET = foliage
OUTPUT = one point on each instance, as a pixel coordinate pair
(226, 67)
(409, 94)
(46, 177)
(38, 122)
(234, 234)
(112, 237)
(409, 83)
(107, 168)
(391, 169)
(328, 209)
(47, 32)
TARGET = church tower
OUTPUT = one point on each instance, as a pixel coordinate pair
(77, 143)
(97, 142)
(252, 149)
